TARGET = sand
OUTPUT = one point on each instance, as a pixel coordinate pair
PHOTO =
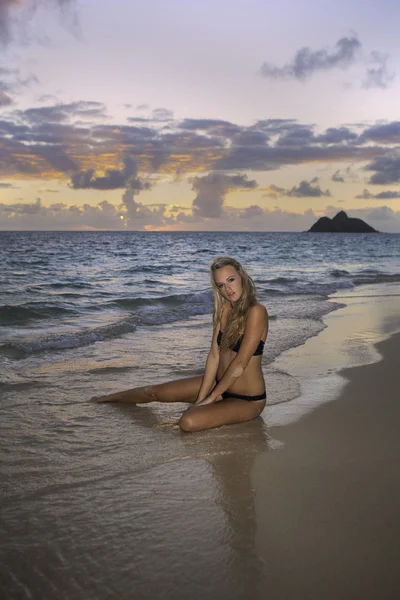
(328, 503)
(308, 510)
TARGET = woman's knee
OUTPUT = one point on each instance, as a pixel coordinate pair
(149, 392)
(187, 422)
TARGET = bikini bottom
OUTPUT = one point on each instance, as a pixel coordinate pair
(243, 397)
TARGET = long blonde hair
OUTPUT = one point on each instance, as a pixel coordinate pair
(235, 325)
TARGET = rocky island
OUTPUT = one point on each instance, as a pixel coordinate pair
(341, 223)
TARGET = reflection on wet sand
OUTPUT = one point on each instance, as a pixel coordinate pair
(125, 505)
(236, 495)
(231, 452)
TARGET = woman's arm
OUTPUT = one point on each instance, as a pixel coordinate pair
(256, 323)
(211, 368)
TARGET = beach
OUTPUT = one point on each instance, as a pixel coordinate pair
(328, 518)
(114, 501)
(307, 509)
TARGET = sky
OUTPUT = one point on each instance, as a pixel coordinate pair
(198, 115)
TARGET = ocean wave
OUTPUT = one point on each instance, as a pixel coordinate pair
(150, 312)
(20, 385)
(172, 300)
(150, 269)
(364, 276)
(283, 280)
(19, 315)
(111, 370)
(272, 291)
(35, 262)
(339, 273)
(341, 279)
(174, 314)
(77, 285)
(377, 278)
(67, 341)
(309, 289)
(314, 310)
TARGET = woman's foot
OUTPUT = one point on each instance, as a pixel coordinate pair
(108, 398)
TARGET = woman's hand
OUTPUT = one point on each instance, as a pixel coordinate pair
(208, 400)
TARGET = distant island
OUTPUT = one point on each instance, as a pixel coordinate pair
(341, 223)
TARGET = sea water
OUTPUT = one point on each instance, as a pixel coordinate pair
(108, 501)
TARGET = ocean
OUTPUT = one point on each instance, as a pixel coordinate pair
(106, 501)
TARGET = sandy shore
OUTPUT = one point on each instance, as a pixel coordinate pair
(116, 502)
(328, 503)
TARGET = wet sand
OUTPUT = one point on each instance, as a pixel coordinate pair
(116, 502)
(328, 504)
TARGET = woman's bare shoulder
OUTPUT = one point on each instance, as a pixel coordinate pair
(258, 311)
(257, 318)
(257, 315)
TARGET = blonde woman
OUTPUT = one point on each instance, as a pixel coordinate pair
(232, 388)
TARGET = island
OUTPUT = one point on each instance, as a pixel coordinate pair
(341, 223)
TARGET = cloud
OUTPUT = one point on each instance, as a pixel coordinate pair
(336, 135)
(133, 215)
(273, 191)
(216, 127)
(6, 90)
(113, 179)
(49, 142)
(377, 75)
(162, 114)
(5, 98)
(139, 216)
(23, 208)
(296, 136)
(387, 170)
(104, 215)
(290, 149)
(306, 62)
(12, 84)
(386, 133)
(211, 190)
(63, 113)
(250, 212)
(337, 177)
(158, 115)
(384, 213)
(388, 195)
(17, 11)
(307, 189)
(257, 218)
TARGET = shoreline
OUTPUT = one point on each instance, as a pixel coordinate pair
(311, 512)
(369, 315)
(327, 502)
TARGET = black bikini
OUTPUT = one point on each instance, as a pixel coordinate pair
(235, 348)
(243, 397)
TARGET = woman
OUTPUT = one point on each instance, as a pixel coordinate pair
(232, 388)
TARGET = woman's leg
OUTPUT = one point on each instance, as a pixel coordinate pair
(224, 412)
(181, 390)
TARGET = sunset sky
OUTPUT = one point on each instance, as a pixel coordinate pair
(198, 115)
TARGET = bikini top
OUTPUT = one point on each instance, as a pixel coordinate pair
(235, 348)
